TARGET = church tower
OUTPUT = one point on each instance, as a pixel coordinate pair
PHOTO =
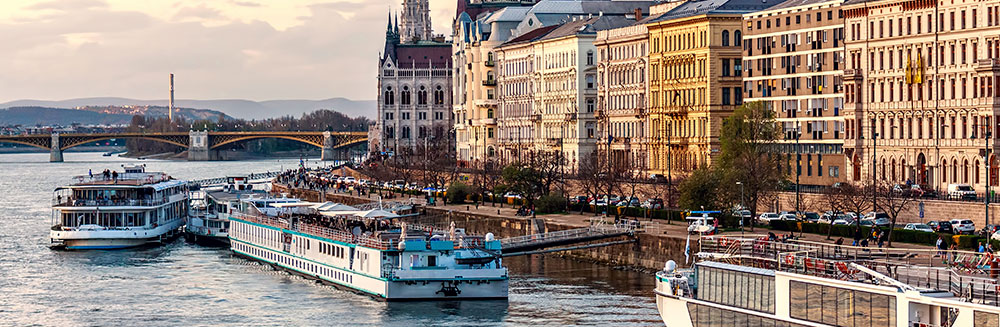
(415, 24)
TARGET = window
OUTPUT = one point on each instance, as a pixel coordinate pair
(725, 67)
(737, 38)
(590, 105)
(590, 58)
(405, 96)
(725, 37)
(725, 96)
(838, 306)
(389, 97)
(422, 96)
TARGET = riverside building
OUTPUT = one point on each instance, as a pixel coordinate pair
(695, 82)
(793, 63)
(479, 28)
(414, 84)
(920, 97)
(621, 94)
(548, 84)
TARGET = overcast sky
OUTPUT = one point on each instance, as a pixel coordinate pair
(244, 49)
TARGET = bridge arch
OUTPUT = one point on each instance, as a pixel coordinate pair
(74, 143)
(40, 146)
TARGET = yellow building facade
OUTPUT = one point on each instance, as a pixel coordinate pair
(695, 81)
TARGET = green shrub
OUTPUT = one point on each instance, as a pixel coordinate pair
(551, 203)
(457, 192)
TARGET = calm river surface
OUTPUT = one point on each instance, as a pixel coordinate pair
(183, 284)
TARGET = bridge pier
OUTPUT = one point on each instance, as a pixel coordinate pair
(55, 154)
(198, 146)
(327, 154)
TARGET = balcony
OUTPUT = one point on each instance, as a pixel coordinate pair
(986, 65)
(489, 63)
(485, 102)
(639, 112)
(536, 117)
(853, 74)
(490, 82)
(569, 116)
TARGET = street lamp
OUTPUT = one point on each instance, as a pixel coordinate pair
(987, 135)
(742, 207)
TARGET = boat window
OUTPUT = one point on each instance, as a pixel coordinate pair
(741, 289)
(705, 316)
(431, 261)
(838, 306)
(984, 319)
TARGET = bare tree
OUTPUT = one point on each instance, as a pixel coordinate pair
(893, 202)
(851, 198)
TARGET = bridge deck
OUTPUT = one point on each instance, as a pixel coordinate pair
(564, 237)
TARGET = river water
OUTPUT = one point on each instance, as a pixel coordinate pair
(182, 284)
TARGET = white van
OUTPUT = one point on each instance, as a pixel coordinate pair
(961, 192)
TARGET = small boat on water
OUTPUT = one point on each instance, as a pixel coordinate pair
(365, 251)
(118, 210)
(208, 218)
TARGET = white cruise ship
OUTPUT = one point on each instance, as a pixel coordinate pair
(365, 252)
(755, 282)
(208, 218)
(123, 210)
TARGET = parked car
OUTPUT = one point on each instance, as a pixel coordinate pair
(810, 216)
(658, 178)
(919, 228)
(963, 226)
(989, 230)
(349, 180)
(940, 226)
(867, 223)
(841, 222)
(653, 204)
(767, 217)
(789, 216)
(922, 191)
(512, 195)
(627, 202)
(578, 199)
(961, 192)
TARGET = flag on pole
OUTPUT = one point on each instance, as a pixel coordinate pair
(687, 250)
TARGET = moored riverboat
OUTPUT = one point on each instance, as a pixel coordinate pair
(114, 211)
(208, 217)
(365, 251)
(757, 282)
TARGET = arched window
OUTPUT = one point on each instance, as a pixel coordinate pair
(404, 97)
(737, 38)
(389, 97)
(438, 95)
(725, 38)
(422, 95)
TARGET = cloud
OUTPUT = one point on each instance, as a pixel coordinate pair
(68, 5)
(331, 50)
(246, 4)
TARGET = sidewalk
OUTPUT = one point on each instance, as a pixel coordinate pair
(650, 226)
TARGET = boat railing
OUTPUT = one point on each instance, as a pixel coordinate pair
(148, 178)
(70, 202)
(262, 219)
(968, 275)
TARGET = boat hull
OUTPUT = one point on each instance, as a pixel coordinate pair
(114, 239)
(207, 240)
(379, 288)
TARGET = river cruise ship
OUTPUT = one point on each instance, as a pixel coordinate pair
(118, 210)
(208, 218)
(756, 282)
(365, 251)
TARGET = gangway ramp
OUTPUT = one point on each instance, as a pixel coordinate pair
(535, 243)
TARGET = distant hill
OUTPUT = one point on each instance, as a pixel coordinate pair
(246, 109)
(98, 115)
(30, 116)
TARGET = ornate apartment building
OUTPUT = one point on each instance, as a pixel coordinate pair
(548, 89)
(621, 94)
(414, 87)
(793, 62)
(695, 68)
(920, 91)
(474, 61)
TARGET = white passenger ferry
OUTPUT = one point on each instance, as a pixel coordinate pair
(755, 282)
(364, 251)
(112, 211)
(208, 219)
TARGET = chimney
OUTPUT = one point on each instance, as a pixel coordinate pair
(170, 109)
(638, 14)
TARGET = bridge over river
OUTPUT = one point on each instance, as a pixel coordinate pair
(201, 145)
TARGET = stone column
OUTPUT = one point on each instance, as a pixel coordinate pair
(55, 154)
(198, 146)
(327, 154)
